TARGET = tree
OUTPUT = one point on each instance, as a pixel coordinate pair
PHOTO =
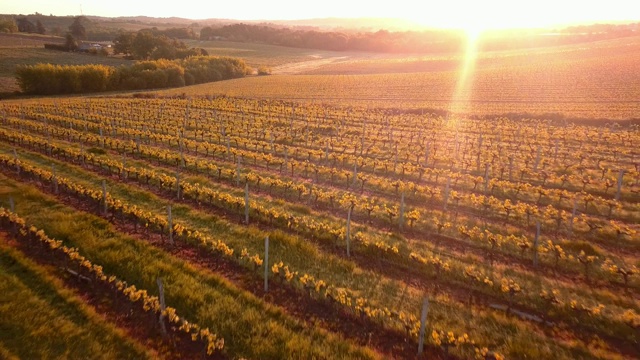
(143, 45)
(77, 29)
(152, 44)
(56, 30)
(40, 28)
(123, 43)
(8, 25)
(206, 33)
(70, 42)
(177, 33)
(24, 25)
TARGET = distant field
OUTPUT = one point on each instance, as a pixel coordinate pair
(27, 40)
(362, 63)
(10, 57)
(598, 80)
(424, 91)
(261, 54)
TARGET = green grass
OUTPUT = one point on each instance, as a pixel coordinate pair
(250, 327)
(40, 319)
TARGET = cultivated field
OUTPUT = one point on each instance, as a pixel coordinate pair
(522, 235)
(267, 55)
(594, 80)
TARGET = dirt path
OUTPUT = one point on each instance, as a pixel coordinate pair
(303, 66)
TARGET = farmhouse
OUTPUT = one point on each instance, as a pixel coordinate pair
(87, 47)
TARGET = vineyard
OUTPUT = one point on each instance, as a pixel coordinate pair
(234, 228)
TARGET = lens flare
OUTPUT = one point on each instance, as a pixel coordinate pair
(464, 85)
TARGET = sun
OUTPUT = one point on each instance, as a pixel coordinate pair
(473, 32)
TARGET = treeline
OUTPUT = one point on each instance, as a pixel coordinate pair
(380, 41)
(109, 34)
(175, 32)
(147, 44)
(96, 28)
(48, 79)
(430, 41)
(24, 25)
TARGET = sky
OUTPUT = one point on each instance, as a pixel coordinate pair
(474, 14)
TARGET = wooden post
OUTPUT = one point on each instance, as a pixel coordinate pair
(326, 152)
(306, 136)
(81, 153)
(456, 146)
(178, 193)
(348, 232)
(535, 245)
(364, 123)
(479, 152)
(104, 197)
(423, 325)
(355, 174)
(15, 158)
(426, 154)
(286, 158)
(599, 136)
(401, 217)
(12, 204)
(510, 168)
(170, 224)
(537, 162)
(246, 203)
(101, 138)
(266, 264)
(573, 213)
(620, 175)
(486, 177)
(395, 162)
(163, 306)
(446, 193)
(238, 171)
(124, 165)
(181, 143)
(54, 179)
